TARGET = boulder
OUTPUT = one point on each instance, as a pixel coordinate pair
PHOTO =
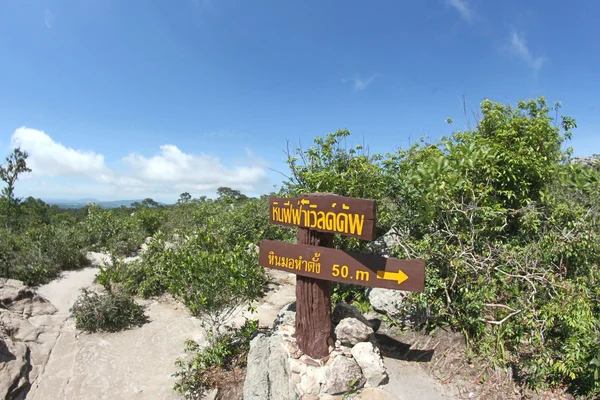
(281, 386)
(287, 316)
(256, 385)
(385, 244)
(370, 362)
(387, 301)
(351, 331)
(344, 310)
(342, 375)
(20, 299)
(268, 374)
(29, 328)
(14, 368)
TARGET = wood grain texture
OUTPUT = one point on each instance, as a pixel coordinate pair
(326, 212)
(342, 266)
(314, 333)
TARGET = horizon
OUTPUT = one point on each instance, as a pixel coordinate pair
(118, 100)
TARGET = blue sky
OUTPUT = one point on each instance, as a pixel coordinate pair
(126, 99)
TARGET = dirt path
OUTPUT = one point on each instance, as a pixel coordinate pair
(133, 364)
(136, 363)
(139, 363)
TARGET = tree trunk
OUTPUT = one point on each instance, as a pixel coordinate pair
(313, 304)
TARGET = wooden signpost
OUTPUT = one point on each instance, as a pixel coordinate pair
(316, 264)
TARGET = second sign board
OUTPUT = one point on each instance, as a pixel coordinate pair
(341, 266)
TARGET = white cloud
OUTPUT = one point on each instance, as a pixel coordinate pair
(49, 158)
(463, 8)
(48, 19)
(161, 176)
(518, 46)
(360, 84)
(174, 166)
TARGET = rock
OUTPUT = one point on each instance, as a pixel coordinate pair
(98, 259)
(586, 161)
(351, 331)
(387, 301)
(370, 362)
(373, 394)
(386, 243)
(256, 385)
(14, 368)
(287, 316)
(252, 249)
(309, 385)
(344, 310)
(29, 328)
(280, 385)
(268, 376)
(128, 260)
(20, 299)
(342, 375)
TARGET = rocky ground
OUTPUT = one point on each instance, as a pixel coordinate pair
(43, 356)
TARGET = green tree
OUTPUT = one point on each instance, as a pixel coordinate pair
(16, 165)
(184, 197)
(226, 193)
(148, 202)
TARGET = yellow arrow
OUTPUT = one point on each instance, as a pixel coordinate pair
(304, 201)
(399, 276)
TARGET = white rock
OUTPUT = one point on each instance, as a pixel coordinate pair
(343, 374)
(351, 331)
(309, 385)
(370, 362)
(387, 301)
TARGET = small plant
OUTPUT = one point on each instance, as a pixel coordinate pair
(352, 390)
(109, 312)
(224, 356)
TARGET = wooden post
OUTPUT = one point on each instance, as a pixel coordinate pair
(313, 303)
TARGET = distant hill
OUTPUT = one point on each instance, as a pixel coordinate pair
(62, 203)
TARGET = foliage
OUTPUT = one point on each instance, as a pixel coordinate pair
(109, 312)
(37, 255)
(225, 353)
(213, 279)
(511, 236)
(106, 230)
(331, 166)
(147, 277)
(16, 164)
(509, 228)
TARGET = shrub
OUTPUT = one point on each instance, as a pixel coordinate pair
(39, 254)
(511, 237)
(223, 355)
(107, 230)
(148, 277)
(214, 279)
(107, 312)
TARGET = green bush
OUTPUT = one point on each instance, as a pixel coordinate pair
(148, 277)
(224, 353)
(510, 232)
(511, 235)
(212, 278)
(108, 231)
(109, 312)
(39, 254)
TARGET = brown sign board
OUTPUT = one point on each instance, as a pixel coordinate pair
(341, 266)
(326, 213)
